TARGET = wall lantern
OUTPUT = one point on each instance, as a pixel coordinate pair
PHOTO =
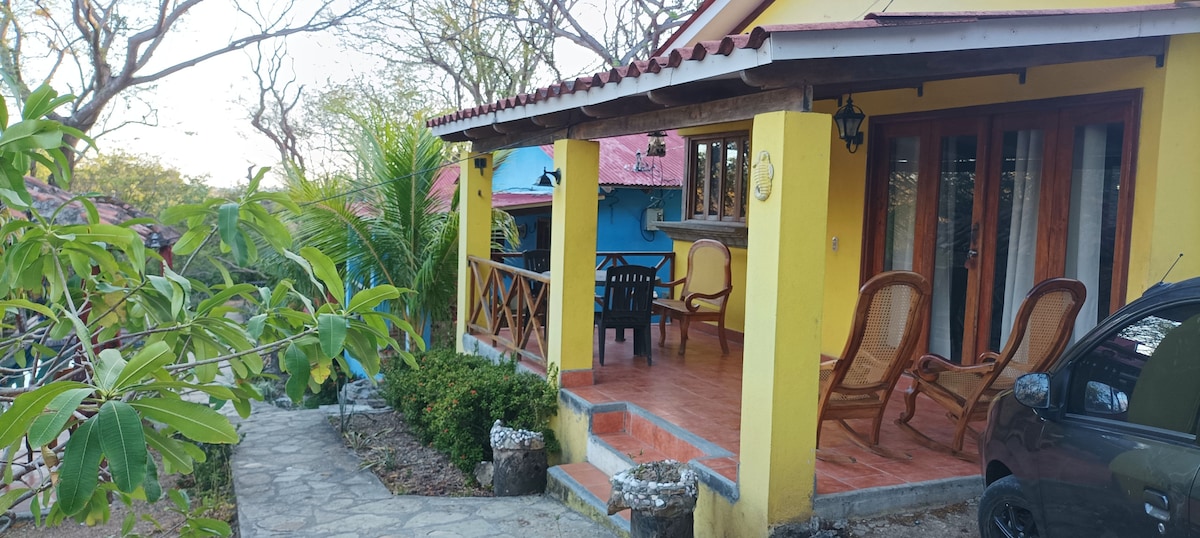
(480, 164)
(658, 144)
(849, 120)
(155, 240)
(550, 179)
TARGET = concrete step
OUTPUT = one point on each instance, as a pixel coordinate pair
(585, 488)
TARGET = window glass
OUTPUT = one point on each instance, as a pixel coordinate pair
(718, 173)
(1145, 373)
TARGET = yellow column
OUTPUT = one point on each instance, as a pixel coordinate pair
(1172, 219)
(474, 231)
(573, 261)
(784, 296)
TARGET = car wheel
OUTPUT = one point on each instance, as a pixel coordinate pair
(1005, 512)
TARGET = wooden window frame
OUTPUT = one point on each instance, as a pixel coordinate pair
(742, 138)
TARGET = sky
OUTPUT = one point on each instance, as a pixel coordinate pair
(203, 126)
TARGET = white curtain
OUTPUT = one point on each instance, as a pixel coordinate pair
(1022, 233)
(905, 158)
(940, 338)
(1086, 218)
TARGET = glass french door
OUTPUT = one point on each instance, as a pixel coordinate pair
(987, 205)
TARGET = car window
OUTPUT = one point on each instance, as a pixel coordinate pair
(1146, 372)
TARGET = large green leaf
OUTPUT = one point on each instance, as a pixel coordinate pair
(331, 329)
(296, 362)
(227, 226)
(150, 358)
(123, 444)
(325, 270)
(28, 406)
(109, 369)
(80, 468)
(173, 451)
(195, 421)
(150, 485)
(46, 427)
(371, 297)
(10, 497)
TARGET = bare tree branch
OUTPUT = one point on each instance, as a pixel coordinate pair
(111, 43)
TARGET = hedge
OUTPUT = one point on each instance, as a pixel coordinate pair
(452, 400)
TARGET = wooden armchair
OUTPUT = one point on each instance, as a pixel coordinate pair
(883, 338)
(704, 295)
(1041, 330)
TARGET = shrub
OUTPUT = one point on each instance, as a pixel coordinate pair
(452, 400)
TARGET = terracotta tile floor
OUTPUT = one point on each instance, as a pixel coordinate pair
(701, 393)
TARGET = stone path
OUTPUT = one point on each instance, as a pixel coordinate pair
(294, 477)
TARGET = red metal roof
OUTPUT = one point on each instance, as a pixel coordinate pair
(618, 158)
(755, 39)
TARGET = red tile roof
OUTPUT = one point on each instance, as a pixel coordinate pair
(755, 39)
(48, 198)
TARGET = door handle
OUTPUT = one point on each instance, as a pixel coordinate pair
(1157, 506)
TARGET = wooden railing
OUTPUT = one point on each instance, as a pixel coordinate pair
(508, 307)
(509, 304)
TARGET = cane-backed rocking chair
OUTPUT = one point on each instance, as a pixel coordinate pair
(882, 342)
(1041, 330)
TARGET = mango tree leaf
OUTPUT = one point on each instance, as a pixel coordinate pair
(150, 358)
(150, 485)
(46, 427)
(78, 473)
(26, 407)
(30, 305)
(179, 213)
(325, 270)
(227, 226)
(331, 329)
(371, 297)
(172, 451)
(123, 444)
(297, 365)
(10, 497)
(109, 369)
(195, 421)
(190, 241)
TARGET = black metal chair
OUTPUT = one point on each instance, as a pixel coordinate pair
(628, 299)
(538, 261)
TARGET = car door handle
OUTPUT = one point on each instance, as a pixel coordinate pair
(1157, 506)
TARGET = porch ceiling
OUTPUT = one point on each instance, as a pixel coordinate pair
(786, 67)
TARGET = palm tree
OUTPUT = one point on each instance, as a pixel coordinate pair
(386, 225)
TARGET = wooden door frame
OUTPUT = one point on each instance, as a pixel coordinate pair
(1058, 116)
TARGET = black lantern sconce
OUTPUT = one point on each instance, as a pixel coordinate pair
(550, 179)
(480, 163)
(658, 144)
(849, 120)
(155, 240)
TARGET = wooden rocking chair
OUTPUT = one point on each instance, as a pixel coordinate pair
(1041, 331)
(883, 338)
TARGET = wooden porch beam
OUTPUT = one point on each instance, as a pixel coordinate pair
(877, 71)
(796, 99)
(622, 107)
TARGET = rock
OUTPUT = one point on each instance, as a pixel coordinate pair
(283, 402)
(361, 392)
(483, 473)
(662, 489)
(503, 438)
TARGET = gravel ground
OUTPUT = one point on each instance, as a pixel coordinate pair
(952, 521)
(384, 442)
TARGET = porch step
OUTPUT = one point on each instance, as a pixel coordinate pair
(585, 488)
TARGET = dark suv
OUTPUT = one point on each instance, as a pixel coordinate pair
(1105, 443)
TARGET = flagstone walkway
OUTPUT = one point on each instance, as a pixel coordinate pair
(294, 477)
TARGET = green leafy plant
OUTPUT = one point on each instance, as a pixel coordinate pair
(106, 351)
(453, 399)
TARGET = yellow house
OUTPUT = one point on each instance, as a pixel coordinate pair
(1004, 146)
